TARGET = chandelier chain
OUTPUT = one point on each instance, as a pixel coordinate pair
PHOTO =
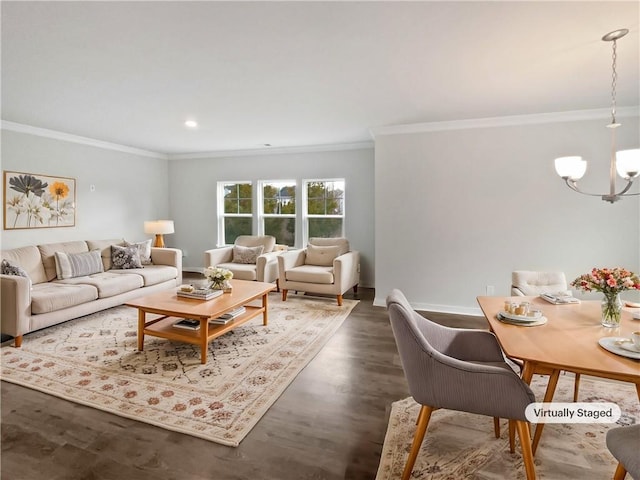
(614, 78)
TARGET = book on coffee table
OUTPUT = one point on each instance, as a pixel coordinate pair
(227, 317)
(200, 293)
(188, 324)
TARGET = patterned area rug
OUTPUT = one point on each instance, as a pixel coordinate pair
(93, 361)
(462, 446)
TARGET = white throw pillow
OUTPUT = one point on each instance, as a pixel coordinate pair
(322, 256)
(71, 265)
(248, 255)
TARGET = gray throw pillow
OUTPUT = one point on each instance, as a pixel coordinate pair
(7, 268)
(144, 249)
(247, 255)
(125, 257)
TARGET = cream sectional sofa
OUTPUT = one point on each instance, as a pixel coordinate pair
(42, 300)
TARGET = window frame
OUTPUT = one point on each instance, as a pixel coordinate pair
(222, 214)
(262, 215)
(305, 206)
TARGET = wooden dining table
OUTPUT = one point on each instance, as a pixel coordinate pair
(567, 341)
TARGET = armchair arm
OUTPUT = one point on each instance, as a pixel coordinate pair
(216, 256)
(346, 269)
(267, 267)
(15, 306)
(516, 291)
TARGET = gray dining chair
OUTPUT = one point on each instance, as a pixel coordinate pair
(457, 369)
(624, 445)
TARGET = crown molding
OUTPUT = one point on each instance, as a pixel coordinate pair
(272, 151)
(512, 120)
(67, 137)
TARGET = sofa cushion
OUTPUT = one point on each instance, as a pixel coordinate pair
(151, 274)
(108, 283)
(48, 251)
(69, 265)
(144, 249)
(241, 271)
(322, 256)
(246, 254)
(125, 257)
(29, 259)
(105, 249)
(51, 296)
(311, 274)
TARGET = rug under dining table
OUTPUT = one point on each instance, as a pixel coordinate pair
(94, 361)
(463, 446)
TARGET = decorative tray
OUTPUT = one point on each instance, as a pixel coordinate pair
(522, 318)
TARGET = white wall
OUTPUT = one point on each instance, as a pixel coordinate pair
(459, 210)
(194, 203)
(129, 188)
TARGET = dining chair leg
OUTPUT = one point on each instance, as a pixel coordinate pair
(576, 387)
(339, 300)
(421, 429)
(512, 436)
(548, 397)
(496, 426)
(524, 435)
(621, 472)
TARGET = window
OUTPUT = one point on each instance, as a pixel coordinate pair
(324, 208)
(236, 217)
(279, 210)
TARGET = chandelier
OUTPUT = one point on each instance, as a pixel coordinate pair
(625, 162)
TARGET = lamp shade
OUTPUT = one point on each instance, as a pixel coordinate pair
(573, 168)
(628, 163)
(159, 226)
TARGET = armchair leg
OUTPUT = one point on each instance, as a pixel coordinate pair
(18, 341)
(339, 300)
(284, 294)
(525, 443)
(355, 288)
(277, 284)
(576, 387)
(421, 429)
(621, 472)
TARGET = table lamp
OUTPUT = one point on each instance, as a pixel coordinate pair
(159, 228)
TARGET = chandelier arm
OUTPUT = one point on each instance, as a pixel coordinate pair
(573, 185)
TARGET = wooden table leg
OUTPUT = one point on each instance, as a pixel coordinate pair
(527, 372)
(548, 397)
(141, 320)
(638, 390)
(265, 305)
(204, 332)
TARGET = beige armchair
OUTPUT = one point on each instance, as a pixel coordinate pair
(327, 266)
(252, 257)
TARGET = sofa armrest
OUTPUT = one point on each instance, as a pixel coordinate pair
(168, 256)
(346, 269)
(216, 256)
(15, 306)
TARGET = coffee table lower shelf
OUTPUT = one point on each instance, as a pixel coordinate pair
(163, 327)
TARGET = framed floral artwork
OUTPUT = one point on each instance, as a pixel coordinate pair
(38, 201)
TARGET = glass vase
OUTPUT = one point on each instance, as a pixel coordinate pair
(611, 310)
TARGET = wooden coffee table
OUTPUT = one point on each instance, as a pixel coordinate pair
(172, 308)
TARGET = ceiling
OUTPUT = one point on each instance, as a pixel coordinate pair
(302, 73)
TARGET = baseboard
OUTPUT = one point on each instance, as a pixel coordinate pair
(430, 307)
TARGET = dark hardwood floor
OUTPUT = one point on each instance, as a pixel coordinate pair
(330, 423)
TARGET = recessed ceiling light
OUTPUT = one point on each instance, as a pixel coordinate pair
(191, 123)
